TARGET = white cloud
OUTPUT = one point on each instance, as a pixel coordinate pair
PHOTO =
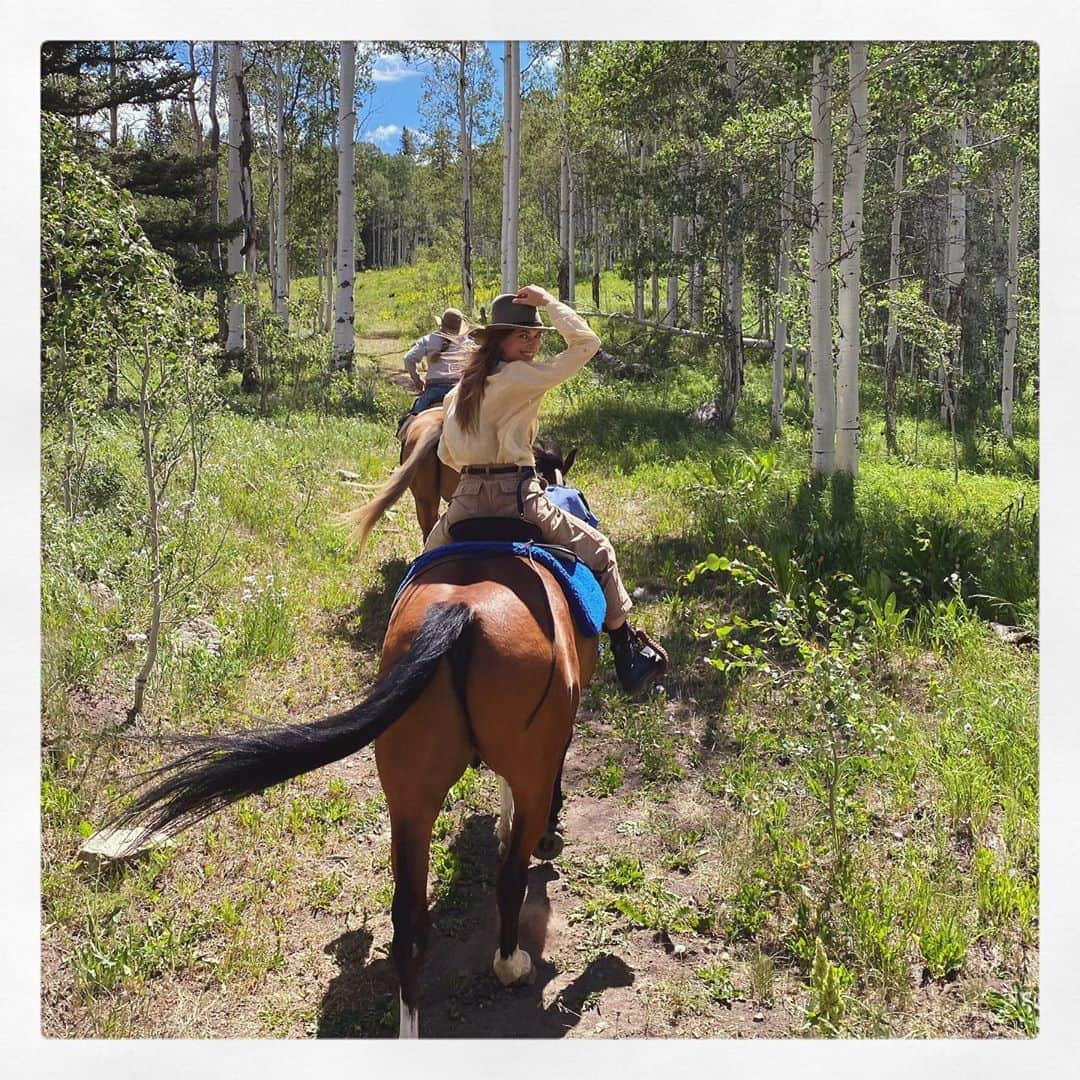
(382, 135)
(389, 69)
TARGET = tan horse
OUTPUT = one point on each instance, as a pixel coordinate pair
(481, 659)
(431, 481)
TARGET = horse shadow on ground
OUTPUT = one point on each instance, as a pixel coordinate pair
(460, 996)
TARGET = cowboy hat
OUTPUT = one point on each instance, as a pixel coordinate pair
(453, 324)
(507, 314)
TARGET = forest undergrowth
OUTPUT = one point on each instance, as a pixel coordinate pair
(824, 824)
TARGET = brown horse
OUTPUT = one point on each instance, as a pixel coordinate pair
(430, 480)
(481, 659)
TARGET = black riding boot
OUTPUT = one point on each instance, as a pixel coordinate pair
(638, 659)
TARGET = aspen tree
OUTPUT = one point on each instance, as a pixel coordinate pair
(892, 337)
(822, 457)
(344, 341)
(234, 73)
(281, 277)
(1009, 355)
(851, 238)
(787, 204)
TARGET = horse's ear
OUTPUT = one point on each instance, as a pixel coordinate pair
(568, 461)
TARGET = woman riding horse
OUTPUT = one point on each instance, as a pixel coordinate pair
(482, 658)
(489, 425)
(431, 481)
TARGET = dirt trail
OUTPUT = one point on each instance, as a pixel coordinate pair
(383, 351)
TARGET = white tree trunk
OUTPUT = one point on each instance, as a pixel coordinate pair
(824, 425)
(956, 228)
(566, 185)
(1009, 356)
(507, 134)
(466, 179)
(571, 242)
(787, 203)
(678, 245)
(215, 143)
(1000, 260)
(281, 298)
(733, 289)
(564, 223)
(511, 164)
(955, 266)
(515, 166)
(678, 242)
(894, 239)
(851, 235)
(344, 341)
(328, 306)
(235, 62)
(596, 253)
(639, 273)
(114, 110)
(193, 111)
(697, 265)
(153, 532)
(892, 345)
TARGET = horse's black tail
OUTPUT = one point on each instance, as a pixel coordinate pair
(219, 770)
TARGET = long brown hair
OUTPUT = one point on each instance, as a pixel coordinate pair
(478, 362)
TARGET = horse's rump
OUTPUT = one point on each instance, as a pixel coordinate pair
(512, 685)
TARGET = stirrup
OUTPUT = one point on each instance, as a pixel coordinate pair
(639, 661)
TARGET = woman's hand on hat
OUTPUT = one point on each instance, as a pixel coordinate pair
(533, 294)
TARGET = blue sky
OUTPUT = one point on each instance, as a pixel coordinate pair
(397, 94)
(392, 106)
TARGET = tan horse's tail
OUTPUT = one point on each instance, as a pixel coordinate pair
(364, 517)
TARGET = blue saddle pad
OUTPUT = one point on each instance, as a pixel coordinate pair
(583, 592)
(572, 501)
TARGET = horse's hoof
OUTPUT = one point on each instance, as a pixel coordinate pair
(515, 969)
(548, 847)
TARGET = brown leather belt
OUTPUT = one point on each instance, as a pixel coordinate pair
(493, 470)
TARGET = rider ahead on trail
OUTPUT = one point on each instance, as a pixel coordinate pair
(440, 348)
(488, 432)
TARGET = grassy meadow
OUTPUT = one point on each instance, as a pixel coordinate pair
(823, 825)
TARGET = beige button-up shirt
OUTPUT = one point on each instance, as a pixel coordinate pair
(506, 424)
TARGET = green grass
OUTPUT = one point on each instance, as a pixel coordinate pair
(869, 782)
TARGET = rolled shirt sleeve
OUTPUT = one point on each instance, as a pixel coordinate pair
(415, 354)
(581, 346)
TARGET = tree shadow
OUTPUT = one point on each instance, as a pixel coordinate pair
(364, 625)
(460, 995)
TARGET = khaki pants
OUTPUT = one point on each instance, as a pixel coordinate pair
(501, 495)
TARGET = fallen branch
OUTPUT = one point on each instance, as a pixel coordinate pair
(753, 343)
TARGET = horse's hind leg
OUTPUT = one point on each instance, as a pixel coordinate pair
(418, 758)
(550, 844)
(506, 816)
(425, 493)
(410, 844)
(512, 964)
